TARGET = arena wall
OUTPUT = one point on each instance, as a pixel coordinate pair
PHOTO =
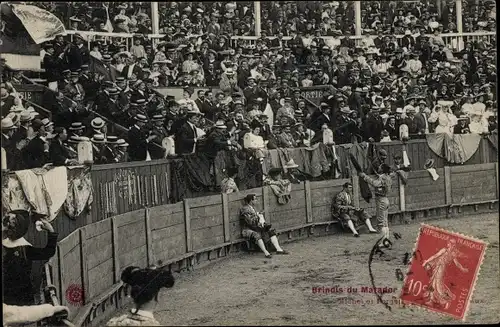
(187, 234)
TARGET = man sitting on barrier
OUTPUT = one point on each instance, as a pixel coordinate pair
(256, 228)
(347, 214)
(145, 284)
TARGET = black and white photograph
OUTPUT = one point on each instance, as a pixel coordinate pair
(255, 163)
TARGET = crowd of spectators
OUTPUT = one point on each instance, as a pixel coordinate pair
(253, 99)
(237, 18)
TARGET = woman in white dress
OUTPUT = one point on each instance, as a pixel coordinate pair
(445, 119)
(254, 142)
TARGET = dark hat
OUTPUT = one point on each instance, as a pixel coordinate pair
(274, 171)
(250, 197)
(48, 45)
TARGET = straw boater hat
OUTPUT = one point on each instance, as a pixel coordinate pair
(98, 139)
(15, 117)
(76, 126)
(141, 118)
(111, 139)
(121, 143)
(97, 123)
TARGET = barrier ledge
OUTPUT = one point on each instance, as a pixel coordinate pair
(99, 309)
(89, 312)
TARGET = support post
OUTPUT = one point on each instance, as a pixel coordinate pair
(257, 12)
(307, 193)
(357, 14)
(187, 220)
(458, 7)
(155, 18)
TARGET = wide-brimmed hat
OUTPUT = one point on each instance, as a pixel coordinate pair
(97, 123)
(7, 124)
(76, 126)
(429, 163)
(26, 116)
(98, 138)
(220, 124)
(346, 110)
(290, 164)
(229, 71)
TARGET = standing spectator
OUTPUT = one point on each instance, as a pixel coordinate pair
(139, 138)
(36, 153)
(186, 137)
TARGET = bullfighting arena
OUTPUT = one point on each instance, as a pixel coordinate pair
(248, 289)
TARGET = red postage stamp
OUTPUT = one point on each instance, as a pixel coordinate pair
(443, 271)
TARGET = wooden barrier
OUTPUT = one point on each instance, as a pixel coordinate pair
(125, 187)
(194, 231)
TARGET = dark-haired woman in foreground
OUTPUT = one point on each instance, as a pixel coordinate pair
(144, 285)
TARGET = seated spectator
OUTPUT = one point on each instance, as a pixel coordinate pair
(256, 229)
(344, 210)
(18, 256)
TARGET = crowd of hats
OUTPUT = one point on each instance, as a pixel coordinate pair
(236, 18)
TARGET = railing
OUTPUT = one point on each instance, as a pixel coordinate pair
(109, 37)
(182, 235)
(454, 41)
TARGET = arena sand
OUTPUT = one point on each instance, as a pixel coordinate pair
(250, 290)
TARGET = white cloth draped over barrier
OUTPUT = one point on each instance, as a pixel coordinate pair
(46, 191)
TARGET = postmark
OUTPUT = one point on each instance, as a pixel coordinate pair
(74, 295)
(443, 276)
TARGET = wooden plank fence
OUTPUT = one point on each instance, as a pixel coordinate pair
(183, 234)
(125, 187)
